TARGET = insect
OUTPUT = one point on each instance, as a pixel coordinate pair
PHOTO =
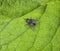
(31, 22)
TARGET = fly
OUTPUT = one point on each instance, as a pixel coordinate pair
(31, 22)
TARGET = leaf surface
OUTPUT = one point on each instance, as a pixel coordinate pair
(15, 35)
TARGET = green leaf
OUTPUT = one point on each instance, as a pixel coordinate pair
(15, 35)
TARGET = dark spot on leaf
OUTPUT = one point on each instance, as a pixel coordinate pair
(31, 22)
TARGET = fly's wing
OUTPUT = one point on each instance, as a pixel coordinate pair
(37, 22)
